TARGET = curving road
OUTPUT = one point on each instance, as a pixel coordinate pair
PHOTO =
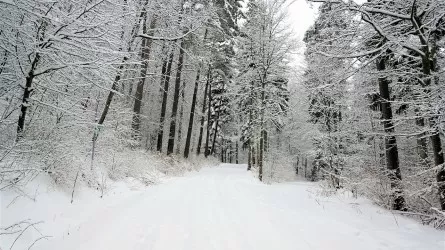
(225, 207)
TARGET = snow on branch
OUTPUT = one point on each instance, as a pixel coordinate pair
(167, 38)
(362, 54)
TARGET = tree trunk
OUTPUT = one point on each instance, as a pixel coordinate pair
(253, 153)
(438, 158)
(392, 155)
(117, 78)
(201, 129)
(222, 151)
(26, 95)
(181, 115)
(439, 161)
(266, 141)
(428, 66)
(296, 165)
(216, 126)
(145, 56)
(215, 134)
(114, 87)
(171, 135)
(5, 60)
(230, 153)
(249, 158)
(222, 155)
(257, 154)
(237, 152)
(263, 133)
(192, 118)
(206, 150)
(422, 148)
(260, 157)
(166, 71)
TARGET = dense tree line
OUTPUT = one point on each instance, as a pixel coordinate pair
(375, 90)
(87, 80)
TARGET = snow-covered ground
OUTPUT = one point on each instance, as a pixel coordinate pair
(222, 207)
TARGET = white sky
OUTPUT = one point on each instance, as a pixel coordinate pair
(301, 16)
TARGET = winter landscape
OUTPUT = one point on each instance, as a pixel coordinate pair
(222, 124)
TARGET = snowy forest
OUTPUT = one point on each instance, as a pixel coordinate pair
(99, 91)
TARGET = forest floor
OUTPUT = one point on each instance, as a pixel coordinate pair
(226, 207)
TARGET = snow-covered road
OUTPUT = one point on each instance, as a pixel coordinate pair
(225, 207)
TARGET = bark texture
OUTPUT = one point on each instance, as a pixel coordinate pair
(165, 82)
(172, 132)
(191, 118)
(392, 154)
(145, 56)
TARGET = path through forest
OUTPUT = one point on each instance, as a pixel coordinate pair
(225, 207)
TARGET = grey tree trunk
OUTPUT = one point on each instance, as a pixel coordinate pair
(249, 156)
(206, 149)
(115, 85)
(192, 118)
(26, 95)
(181, 115)
(428, 66)
(392, 154)
(260, 156)
(165, 82)
(422, 147)
(145, 56)
(253, 153)
(216, 127)
(114, 88)
(222, 153)
(262, 132)
(201, 129)
(230, 153)
(439, 161)
(4, 61)
(296, 165)
(215, 133)
(236, 152)
(172, 132)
